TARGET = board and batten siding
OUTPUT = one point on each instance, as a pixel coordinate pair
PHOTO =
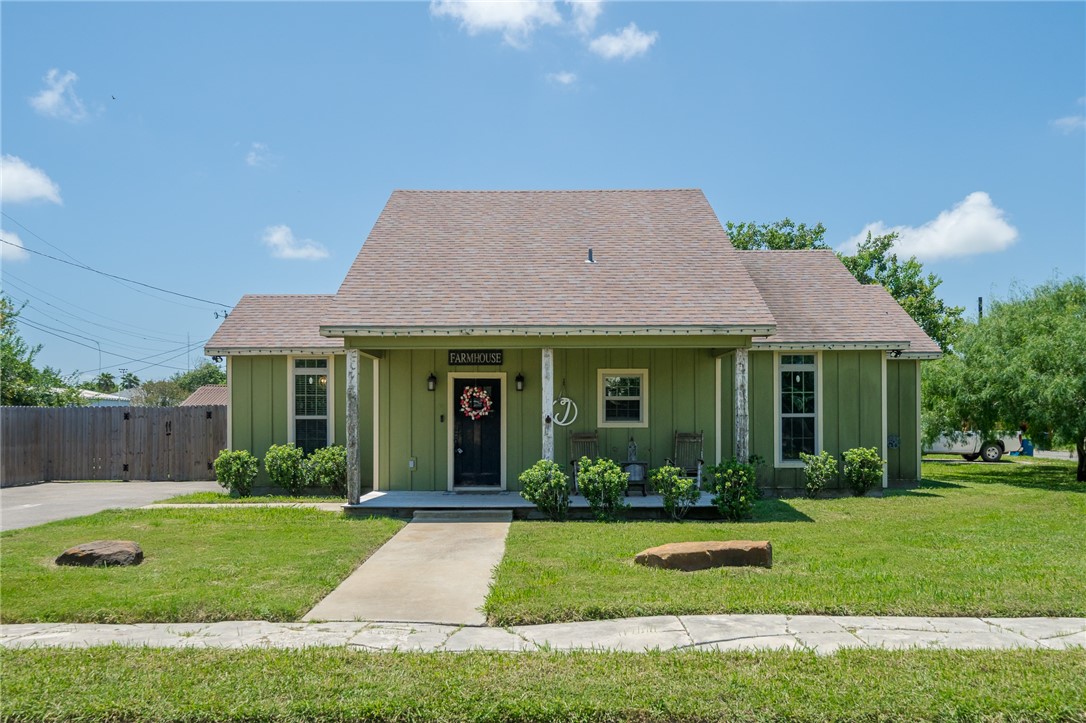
(902, 410)
(851, 386)
(260, 400)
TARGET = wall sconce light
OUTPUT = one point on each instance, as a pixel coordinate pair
(520, 382)
(431, 382)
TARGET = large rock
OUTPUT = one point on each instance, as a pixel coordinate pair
(102, 553)
(689, 556)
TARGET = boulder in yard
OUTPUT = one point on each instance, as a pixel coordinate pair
(102, 553)
(690, 556)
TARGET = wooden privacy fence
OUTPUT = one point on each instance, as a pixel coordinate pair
(106, 443)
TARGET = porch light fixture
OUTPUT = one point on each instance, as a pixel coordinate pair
(431, 382)
(520, 382)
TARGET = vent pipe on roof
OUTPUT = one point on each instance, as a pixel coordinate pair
(590, 260)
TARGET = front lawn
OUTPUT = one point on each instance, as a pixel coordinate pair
(130, 684)
(975, 539)
(200, 565)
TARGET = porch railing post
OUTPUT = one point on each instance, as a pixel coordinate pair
(548, 404)
(354, 452)
(742, 408)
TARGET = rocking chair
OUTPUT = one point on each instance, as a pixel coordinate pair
(689, 454)
(582, 444)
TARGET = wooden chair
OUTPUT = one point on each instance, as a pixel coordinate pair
(688, 454)
(582, 444)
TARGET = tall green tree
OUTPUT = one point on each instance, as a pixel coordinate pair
(162, 393)
(1023, 363)
(873, 263)
(206, 372)
(21, 382)
(104, 382)
(129, 381)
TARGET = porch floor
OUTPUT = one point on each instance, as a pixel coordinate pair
(402, 503)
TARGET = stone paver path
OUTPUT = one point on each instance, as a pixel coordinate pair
(818, 633)
(437, 569)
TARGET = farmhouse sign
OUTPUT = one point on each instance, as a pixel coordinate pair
(475, 358)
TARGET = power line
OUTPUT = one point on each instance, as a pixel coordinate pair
(114, 276)
(61, 334)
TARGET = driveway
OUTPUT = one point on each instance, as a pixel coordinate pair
(37, 504)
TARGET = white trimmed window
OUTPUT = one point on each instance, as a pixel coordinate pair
(798, 405)
(623, 398)
(310, 403)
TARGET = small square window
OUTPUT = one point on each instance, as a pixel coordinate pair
(623, 398)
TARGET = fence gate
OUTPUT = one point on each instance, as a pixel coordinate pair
(109, 443)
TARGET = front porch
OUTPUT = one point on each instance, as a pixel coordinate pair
(404, 504)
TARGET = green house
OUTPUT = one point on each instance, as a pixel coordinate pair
(478, 332)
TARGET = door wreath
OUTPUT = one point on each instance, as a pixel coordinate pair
(475, 403)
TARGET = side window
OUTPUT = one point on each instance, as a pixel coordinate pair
(798, 405)
(310, 403)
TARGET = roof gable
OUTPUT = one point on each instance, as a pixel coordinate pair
(270, 322)
(514, 260)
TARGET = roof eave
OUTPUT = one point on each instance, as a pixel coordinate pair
(277, 350)
(333, 330)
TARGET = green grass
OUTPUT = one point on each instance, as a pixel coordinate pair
(219, 498)
(200, 565)
(975, 539)
(118, 684)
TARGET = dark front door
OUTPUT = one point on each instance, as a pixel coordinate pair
(477, 433)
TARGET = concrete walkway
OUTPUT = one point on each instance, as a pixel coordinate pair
(436, 569)
(820, 634)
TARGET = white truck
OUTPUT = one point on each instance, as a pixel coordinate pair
(971, 446)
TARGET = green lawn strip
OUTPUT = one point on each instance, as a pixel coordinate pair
(975, 539)
(121, 684)
(221, 498)
(200, 565)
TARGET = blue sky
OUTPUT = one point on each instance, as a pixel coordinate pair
(219, 149)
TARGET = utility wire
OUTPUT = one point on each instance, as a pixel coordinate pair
(115, 276)
(60, 334)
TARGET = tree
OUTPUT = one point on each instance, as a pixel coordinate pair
(163, 393)
(873, 263)
(1023, 363)
(21, 383)
(104, 382)
(129, 381)
(205, 373)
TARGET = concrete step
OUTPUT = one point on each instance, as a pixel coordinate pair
(462, 516)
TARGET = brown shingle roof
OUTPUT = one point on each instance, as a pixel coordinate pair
(516, 259)
(209, 394)
(273, 321)
(815, 299)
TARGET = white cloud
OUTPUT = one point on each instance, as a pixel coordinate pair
(9, 252)
(625, 44)
(260, 157)
(58, 99)
(973, 226)
(515, 19)
(21, 182)
(563, 78)
(283, 245)
(1070, 124)
(585, 14)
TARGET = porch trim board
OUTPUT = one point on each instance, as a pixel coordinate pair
(450, 379)
(354, 450)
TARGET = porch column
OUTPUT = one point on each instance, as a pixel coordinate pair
(742, 408)
(354, 453)
(547, 378)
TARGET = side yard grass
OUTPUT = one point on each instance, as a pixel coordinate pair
(975, 539)
(224, 498)
(200, 565)
(115, 684)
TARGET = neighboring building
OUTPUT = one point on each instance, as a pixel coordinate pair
(209, 394)
(101, 399)
(467, 315)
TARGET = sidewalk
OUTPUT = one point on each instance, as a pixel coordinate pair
(818, 633)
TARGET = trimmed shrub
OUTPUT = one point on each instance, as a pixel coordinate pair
(235, 470)
(680, 493)
(863, 469)
(604, 485)
(547, 487)
(735, 488)
(327, 467)
(284, 464)
(819, 470)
